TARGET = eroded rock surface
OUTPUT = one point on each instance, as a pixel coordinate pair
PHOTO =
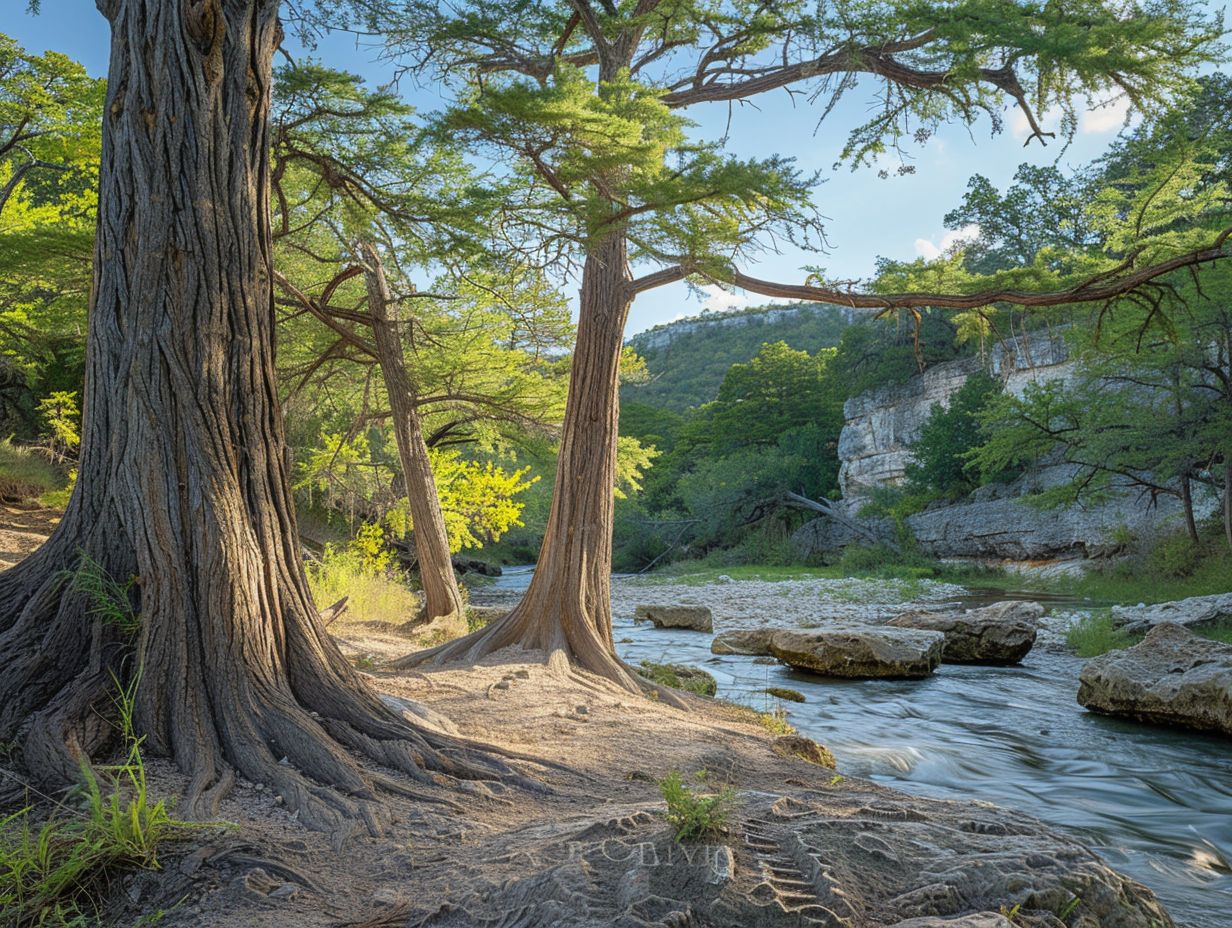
(864, 652)
(1194, 612)
(697, 618)
(753, 642)
(1171, 677)
(846, 857)
(1002, 633)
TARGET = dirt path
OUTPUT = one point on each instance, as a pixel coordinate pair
(23, 527)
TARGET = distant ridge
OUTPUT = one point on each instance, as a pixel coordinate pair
(688, 358)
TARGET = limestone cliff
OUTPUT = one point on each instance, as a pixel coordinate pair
(995, 522)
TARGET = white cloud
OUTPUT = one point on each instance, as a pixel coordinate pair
(1104, 117)
(1099, 116)
(719, 300)
(929, 250)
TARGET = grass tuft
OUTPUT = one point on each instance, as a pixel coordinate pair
(680, 677)
(1095, 634)
(692, 813)
(25, 474)
(57, 873)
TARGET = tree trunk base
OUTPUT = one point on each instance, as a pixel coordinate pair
(580, 656)
(302, 732)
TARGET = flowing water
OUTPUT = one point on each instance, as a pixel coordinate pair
(1156, 803)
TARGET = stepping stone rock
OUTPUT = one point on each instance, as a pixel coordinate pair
(696, 618)
(860, 651)
(755, 642)
(999, 634)
(1171, 677)
(1195, 612)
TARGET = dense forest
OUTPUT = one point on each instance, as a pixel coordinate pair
(290, 368)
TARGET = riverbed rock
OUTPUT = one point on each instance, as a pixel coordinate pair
(1002, 633)
(1171, 677)
(855, 855)
(696, 618)
(860, 651)
(1194, 612)
(754, 642)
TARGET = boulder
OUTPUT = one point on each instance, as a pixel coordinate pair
(1002, 633)
(1195, 612)
(753, 642)
(1171, 677)
(860, 651)
(697, 618)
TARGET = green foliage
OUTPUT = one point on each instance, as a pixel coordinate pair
(689, 368)
(363, 571)
(57, 872)
(679, 677)
(107, 598)
(940, 456)
(693, 814)
(1095, 634)
(63, 418)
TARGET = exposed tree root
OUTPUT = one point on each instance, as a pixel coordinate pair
(295, 718)
(571, 647)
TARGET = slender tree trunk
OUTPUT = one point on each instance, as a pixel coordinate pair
(1191, 524)
(1227, 497)
(443, 606)
(183, 482)
(567, 611)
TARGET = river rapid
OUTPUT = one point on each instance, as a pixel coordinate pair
(1156, 803)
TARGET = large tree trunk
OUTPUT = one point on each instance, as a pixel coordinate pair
(183, 482)
(443, 606)
(567, 611)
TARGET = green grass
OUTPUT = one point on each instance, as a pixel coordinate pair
(694, 814)
(1133, 582)
(373, 596)
(57, 872)
(25, 474)
(1095, 635)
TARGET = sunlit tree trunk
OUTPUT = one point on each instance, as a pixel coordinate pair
(443, 607)
(183, 482)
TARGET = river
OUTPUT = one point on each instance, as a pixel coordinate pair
(1156, 803)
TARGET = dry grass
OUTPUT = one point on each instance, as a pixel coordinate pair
(372, 596)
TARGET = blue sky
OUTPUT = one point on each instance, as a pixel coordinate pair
(867, 216)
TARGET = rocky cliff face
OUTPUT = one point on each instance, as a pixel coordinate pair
(663, 335)
(994, 523)
(875, 444)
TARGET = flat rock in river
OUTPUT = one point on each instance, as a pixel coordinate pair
(697, 618)
(1002, 633)
(1194, 612)
(860, 651)
(1171, 677)
(753, 642)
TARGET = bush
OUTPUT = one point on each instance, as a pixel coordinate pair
(940, 465)
(693, 814)
(375, 592)
(1175, 556)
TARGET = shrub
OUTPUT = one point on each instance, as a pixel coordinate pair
(1175, 555)
(694, 814)
(376, 592)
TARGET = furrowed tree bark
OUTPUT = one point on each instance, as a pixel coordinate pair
(567, 610)
(183, 481)
(443, 607)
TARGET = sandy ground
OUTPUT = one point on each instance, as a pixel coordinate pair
(22, 529)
